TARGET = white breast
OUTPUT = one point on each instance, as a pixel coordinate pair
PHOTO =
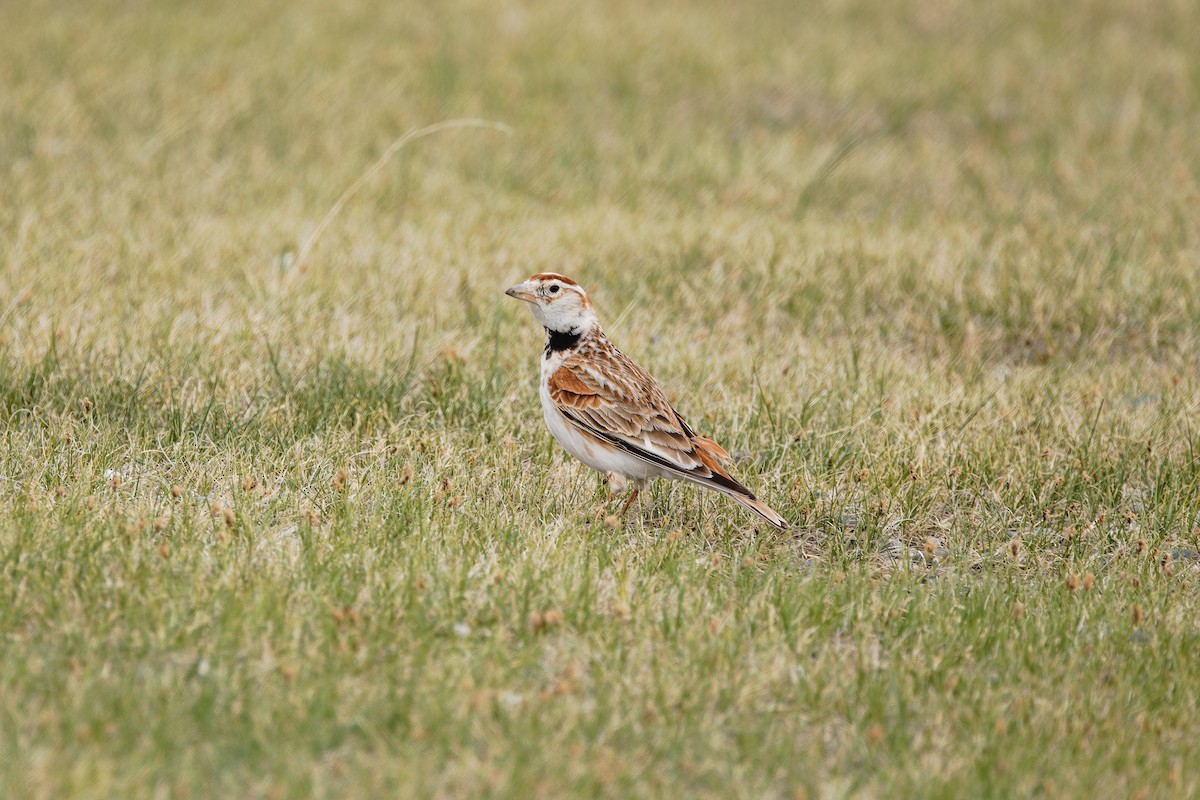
(602, 457)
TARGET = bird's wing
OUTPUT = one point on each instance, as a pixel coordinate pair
(615, 400)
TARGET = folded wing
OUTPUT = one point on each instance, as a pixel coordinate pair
(623, 406)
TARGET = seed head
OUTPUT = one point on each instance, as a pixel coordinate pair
(88, 405)
(1073, 581)
(176, 491)
(1089, 580)
(339, 479)
(1018, 611)
(1136, 614)
(229, 519)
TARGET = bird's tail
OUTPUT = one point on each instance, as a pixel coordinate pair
(710, 454)
(762, 509)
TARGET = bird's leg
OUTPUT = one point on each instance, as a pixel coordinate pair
(638, 485)
(616, 485)
(632, 496)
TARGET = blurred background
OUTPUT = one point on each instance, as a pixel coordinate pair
(945, 173)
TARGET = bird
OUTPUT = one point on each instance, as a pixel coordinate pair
(608, 412)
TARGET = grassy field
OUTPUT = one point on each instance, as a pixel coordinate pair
(931, 270)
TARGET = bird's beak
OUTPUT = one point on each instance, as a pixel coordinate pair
(522, 291)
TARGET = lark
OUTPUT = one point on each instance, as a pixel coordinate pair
(610, 413)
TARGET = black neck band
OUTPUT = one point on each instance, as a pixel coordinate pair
(557, 341)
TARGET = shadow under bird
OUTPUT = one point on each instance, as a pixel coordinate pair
(610, 413)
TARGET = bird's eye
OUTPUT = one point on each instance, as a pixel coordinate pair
(554, 287)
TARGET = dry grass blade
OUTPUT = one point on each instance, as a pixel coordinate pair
(411, 136)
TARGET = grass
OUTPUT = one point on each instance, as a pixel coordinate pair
(930, 270)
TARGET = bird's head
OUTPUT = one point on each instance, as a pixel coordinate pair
(557, 302)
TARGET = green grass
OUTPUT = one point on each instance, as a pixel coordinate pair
(931, 270)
